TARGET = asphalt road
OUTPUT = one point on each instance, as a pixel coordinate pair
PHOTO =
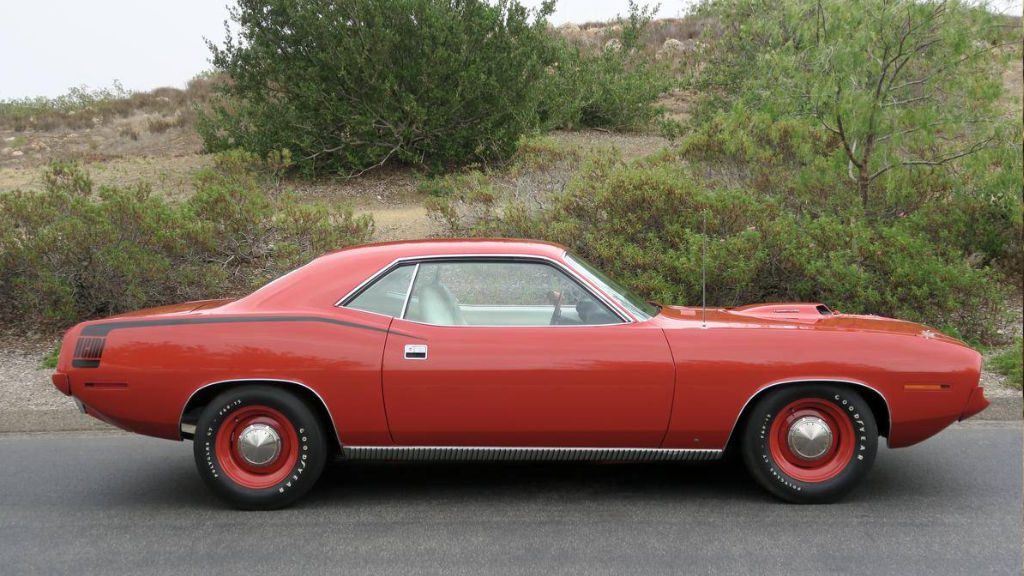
(111, 504)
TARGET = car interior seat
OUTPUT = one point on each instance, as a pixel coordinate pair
(436, 305)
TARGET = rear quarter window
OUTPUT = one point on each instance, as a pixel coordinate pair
(387, 294)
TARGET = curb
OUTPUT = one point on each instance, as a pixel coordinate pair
(49, 420)
(1001, 409)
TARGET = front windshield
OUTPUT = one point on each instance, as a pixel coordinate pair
(630, 301)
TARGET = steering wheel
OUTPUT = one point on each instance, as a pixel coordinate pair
(585, 307)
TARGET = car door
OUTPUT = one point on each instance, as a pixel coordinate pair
(520, 353)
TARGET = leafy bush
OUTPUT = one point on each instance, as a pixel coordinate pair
(642, 222)
(350, 86)
(1009, 363)
(347, 86)
(70, 252)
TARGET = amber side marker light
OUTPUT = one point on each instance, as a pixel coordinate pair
(926, 386)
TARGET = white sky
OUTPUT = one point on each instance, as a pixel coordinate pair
(48, 46)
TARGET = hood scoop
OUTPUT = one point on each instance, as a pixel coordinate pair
(802, 311)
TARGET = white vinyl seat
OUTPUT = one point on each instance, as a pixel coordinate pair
(435, 305)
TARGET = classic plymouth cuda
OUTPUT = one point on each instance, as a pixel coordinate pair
(510, 350)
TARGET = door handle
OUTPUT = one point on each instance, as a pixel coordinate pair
(415, 351)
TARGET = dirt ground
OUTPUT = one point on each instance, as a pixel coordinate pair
(168, 162)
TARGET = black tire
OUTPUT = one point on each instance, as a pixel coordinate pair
(765, 466)
(219, 467)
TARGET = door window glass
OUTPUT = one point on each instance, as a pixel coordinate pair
(483, 293)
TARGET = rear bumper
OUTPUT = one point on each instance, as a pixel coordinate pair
(61, 382)
(976, 402)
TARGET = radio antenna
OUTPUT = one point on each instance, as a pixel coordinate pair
(703, 270)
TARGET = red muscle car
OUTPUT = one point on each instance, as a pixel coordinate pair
(510, 350)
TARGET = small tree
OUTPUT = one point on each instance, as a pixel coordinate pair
(350, 85)
(898, 83)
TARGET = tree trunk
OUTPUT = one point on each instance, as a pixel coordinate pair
(863, 184)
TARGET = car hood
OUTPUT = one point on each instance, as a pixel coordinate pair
(805, 315)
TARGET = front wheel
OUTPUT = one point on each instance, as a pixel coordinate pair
(810, 444)
(259, 447)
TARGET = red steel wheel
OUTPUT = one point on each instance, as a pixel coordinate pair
(260, 447)
(809, 443)
(812, 440)
(257, 447)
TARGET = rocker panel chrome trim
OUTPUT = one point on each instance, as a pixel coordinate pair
(513, 453)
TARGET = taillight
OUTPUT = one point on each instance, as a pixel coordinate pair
(88, 351)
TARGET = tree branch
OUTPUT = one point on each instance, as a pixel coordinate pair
(977, 146)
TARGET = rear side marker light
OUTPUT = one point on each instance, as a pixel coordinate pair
(107, 385)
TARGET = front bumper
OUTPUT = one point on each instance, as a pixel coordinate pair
(976, 402)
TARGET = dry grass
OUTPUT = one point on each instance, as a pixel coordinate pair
(592, 36)
(161, 124)
(122, 138)
(169, 176)
(390, 195)
(1013, 85)
(82, 109)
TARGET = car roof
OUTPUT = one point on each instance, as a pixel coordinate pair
(327, 278)
(453, 246)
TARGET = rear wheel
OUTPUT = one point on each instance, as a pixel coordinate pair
(259, 447)
(810, 443)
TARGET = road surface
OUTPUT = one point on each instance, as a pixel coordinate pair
(118, 504)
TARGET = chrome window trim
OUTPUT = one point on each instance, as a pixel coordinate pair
(408, 290)
(568, 271)
(181, 417)
(885, 400)
(575, 263)
(527, 453)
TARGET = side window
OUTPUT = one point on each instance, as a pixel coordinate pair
(387, 294)
(496, 293)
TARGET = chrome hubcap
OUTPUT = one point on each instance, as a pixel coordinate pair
(259, 444)
(810, 437)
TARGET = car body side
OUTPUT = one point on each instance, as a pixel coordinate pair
(715, 363)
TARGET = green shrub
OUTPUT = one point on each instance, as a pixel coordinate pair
(613, 90)
(348, 86)
(642, 222)
(69, 252)
(51, 358)
(1009, 363)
